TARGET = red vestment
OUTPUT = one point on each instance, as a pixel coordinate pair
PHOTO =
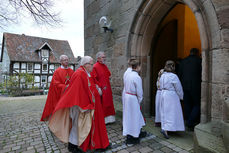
(81, 92)
(59, 81)
(102, 75)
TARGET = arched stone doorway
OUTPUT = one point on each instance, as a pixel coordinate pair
(177, 33)
(142, 35)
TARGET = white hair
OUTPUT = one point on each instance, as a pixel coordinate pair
(85, 60)
(62, 56)
(99, 54)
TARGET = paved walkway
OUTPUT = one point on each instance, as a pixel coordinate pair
(21, 131)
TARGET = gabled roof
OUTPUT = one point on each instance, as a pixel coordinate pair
(24, 48)
(46, 44)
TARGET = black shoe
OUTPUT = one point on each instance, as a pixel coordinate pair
(73, 148)
(142, 134)
(130, 141)
(164, 134)
(100, 150)
(103, 149)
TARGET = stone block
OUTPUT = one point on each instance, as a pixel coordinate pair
(126, 16)
(119, 47)
(216, 105)
(122, 30)
(203, 32)
(126, 5)
(93, 8)
(205, 65)
(225, 133)
(88, 43)
(226, 109)
(16, 148)
(212, 21)
(205, 141)
(98, 40)
(225, 38)
(146, 149)
(223, 18)
(204, 102)
(220, 4)
(220, 68)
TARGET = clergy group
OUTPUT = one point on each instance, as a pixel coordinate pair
(80, 103)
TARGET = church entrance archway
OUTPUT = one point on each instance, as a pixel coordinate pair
(176, 35)
(155, 30)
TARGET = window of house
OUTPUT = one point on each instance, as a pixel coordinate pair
(30, 66)
(43, 79)
(45, 53)
(45, 67)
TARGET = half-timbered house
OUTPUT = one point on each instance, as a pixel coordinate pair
(33, 55)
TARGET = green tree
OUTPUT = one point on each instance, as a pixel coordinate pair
(19, 82)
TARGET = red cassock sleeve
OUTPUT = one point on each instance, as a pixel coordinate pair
(94, 74)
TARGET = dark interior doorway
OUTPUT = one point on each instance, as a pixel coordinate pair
(165, 49)
(176, 34)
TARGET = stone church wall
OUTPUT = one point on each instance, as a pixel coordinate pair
(121, 13)
(213, 23)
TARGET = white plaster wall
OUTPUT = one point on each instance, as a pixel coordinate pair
(50, 79)
(23, 71)
(37, 71)
(5, 61)
(37, 79)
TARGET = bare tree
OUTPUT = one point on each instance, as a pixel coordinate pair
(40, 10)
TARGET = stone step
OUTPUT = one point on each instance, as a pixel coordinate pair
(207, 142)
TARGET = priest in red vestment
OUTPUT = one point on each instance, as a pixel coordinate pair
(60, 80)
(78, 117)
(102, 75)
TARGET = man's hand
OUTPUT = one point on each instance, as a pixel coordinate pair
(99, 90)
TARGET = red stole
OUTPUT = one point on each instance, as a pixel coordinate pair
(97, 137)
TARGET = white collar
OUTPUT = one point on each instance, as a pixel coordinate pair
(63, 67)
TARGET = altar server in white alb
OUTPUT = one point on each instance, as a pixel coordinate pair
(158, 100)
(133, 120)
(129, 69)
(171, 94)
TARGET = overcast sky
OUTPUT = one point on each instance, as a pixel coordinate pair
(72, 30)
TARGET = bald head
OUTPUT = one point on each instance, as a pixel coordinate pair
(64, 60)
